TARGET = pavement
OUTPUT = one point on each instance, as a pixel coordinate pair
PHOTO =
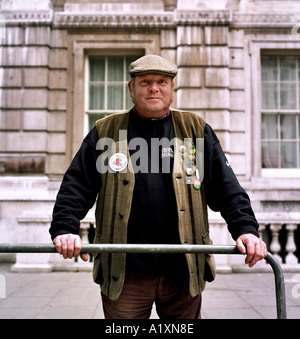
(74, 295)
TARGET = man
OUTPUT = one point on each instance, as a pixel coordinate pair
(148, 199)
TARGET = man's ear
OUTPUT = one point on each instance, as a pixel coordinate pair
(131, 90)
(130, 87)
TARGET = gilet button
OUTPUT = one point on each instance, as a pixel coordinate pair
(121, 215)
(125, 181)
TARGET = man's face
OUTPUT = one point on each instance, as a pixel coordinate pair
(152, 94)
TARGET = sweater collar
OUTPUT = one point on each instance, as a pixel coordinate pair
(137, 114)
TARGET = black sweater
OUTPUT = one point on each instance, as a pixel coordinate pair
(153, 217)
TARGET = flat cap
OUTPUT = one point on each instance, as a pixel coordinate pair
(152, 64)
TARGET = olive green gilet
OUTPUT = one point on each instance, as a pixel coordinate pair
(114, 204)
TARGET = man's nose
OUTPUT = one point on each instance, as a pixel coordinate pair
(153, 87)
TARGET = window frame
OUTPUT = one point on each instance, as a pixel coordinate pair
(284, 112)
(257, 48)
(106, 54)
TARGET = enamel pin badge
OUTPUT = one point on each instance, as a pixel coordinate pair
(189, 157)
(118, 162)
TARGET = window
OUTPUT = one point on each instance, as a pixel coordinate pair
(280, 116)
(107, 86)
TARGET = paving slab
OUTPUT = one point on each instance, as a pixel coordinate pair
(74, 295)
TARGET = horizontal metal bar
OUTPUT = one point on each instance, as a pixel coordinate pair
(27, 248)
(138, 248)
(122, 248)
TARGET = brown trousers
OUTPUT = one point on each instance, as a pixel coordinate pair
(140, 291)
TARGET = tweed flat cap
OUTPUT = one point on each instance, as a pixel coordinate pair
(152, 64)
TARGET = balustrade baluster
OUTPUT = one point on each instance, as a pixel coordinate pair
(275, 245)
(262, 227)
(290, 245)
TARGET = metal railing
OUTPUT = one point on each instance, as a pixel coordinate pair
(128, 248)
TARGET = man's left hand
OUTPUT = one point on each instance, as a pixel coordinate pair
(253, 247)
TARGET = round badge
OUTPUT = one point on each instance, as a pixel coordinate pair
(118, 162)
(182, 149)
(189, 171)
(197, 184)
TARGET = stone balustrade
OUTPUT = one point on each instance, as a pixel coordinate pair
(280, 231)
(282, 238)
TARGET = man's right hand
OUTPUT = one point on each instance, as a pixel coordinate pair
(69, 246)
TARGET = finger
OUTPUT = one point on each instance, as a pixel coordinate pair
(64, 247)
(70, 248)
(57, 244)
(256, 257)
(77, 246)
(259, 253)
(240, 245)
(265, 250)
(84, 256)
(250, 252)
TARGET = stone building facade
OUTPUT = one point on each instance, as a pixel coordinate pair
(239, 68)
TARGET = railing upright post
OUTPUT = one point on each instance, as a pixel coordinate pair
(279, 286)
